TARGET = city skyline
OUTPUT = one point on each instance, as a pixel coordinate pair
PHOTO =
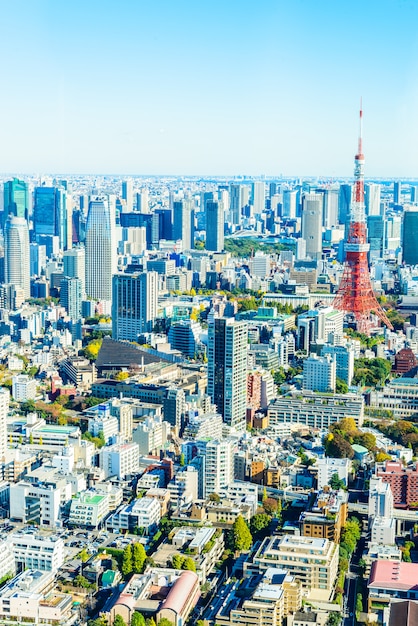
(209, 89)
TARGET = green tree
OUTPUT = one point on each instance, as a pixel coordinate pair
(165, 622)
(150, 622)
(182, 460)
(92, 349)
(341, 386)
(270, 506)
(214, 497)
(31, 438)
(83, 555)
(241, 535)
(119, 621)
(138, 558)
(81, 581)
(336, 482)
(177, 561)
(127, 564)
(259, 525)
(359, 603)
(137, 619)
(189, 564)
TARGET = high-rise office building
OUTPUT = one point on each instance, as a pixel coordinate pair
(319, 373)
(134, 304)
(16, 199)
(75, 265)
(375, 235)
(258, 196)
(397, 192)
(237, 201)
(312, 204)
(71, 296)
(142, 201)
(17, 253)
(183, 222)
(344, 203)
(127, 194)
(50, 214)
(330, 209)
(215, 220)
(227, 369)
(393, 225)
(410, 237)
(372, 198)
(4, 410)
(101, 247)
(289, 204)
(37, 259)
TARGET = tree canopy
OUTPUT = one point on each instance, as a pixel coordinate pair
(242, 538)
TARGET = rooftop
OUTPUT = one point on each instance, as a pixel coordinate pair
(393, 575)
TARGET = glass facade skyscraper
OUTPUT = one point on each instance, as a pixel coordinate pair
(16, 199)
(134, 304)
(227, 369)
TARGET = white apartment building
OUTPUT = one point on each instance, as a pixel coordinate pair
(184, 487)
(103, 422)
(33, 551)
(4, 410)
(36, 503)
(319, 373)
(380, 498)
(89, 509)
(120, 460)
(313, 561)
(218, 464)
(151, 435)
(123, 411)
(23, 388)
(383, 530)
(328, 467)
(7, 562)
(141, 513)
(29, 597)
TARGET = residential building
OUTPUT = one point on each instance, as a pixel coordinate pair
(36, 503)
(403, 482)
(316, 411)
(140, 513)
(389, 580)
(183, 222)
(383, 530)
(30, 597)
(227, 369)
(134, 304)
(319, 373)
(151, 435)
(218, 464)
(120, 460)
(326, 517)
(264, 599)
(314, 562)
(89, 509)
(34, 551)
(399, 396)
(23, 388)
(344, 360)
(327, 467)
(100, 420)
(380, 498)
(71, 296)
(74, 265)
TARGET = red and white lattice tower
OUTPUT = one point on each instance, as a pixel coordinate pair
(355, 294)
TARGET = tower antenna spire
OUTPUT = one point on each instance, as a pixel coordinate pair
(355, 294)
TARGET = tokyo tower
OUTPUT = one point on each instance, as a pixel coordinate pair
(355, 294)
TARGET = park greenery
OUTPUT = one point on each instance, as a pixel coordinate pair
(403, 432)
(245, 247)
(341, 436)
(371, 372)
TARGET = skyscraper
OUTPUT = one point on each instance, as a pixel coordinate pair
(289, 203)
(312, 204)
(215, 220)
(101, 246)
(375, 235)
(134, 304)
(75, 265)
(50, 215)
(127, 194)
(183, 222)
(4, 410)
(410, 237)
(372, 198)
(258, 196)
(227, 369)
(236, 202)
(17, 253)
(71, 296)
(344, 203)
(397, 192)
(16, 199)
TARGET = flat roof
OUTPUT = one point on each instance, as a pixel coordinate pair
(393, 575)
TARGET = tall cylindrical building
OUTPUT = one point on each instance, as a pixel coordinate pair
(101, 250)
(17, 253)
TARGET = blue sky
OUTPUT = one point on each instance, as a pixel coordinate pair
(222, 87)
